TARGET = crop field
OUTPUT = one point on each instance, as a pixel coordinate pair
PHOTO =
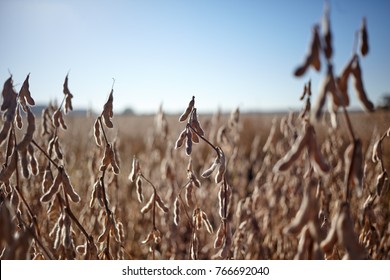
(305, 184)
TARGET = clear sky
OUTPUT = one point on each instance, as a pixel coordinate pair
(227, 53)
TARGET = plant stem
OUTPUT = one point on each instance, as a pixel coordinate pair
(204, 139)
(44, 152)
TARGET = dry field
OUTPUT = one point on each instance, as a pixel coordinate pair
(300, 185)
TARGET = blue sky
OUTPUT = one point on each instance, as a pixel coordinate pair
(226, 53)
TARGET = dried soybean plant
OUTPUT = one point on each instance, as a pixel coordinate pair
(192, 133)
(24, 150)
(335, 89)
(58, 189)
(112, 227)
(153, 239)
(199, 217)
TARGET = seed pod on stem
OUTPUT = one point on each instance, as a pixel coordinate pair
(286, 162)
(55, 187)
(25, 95)
(359, 87)
(380, 182)
(7, 171)
(28, 136)
(188, 195)
(24, 163)
(58, 119)
(149, 205)
(68, 187)
(138, 184)
(96, 132)
(107, 113)
(4, 131)
(207, 173)
(180, 140)
(47, 180)
(176, 211)
(33, 161)
(313, 57)
(18, 118)
(68, 96)
(189, 142)
(220, 235)
(148, 238)
(135, 169)
(206, 222)
(187, 112)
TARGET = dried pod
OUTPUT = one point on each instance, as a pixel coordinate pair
(220, 235)
(197, 218)
(114, 161)
(33, 161)
(96, 132)
(313, 57)
(161, 204)
(57, 148)
(24, 163)
(195, 123)
(106, 231)
(47, 180)
(107, 113)
(180, 140)
(220, 174)
(18, 118)
(106, 160)
(25, 94)
(94, 193)
(149, 205)
(195, 138)
(221, 200)
(68, 187)
(342, 81)
(194, 247)
(4, 131)
(188, 195)
(286, 162)
(7, 171)
(207, 173)
(377, 151)
(148, 238)
(58, 119)
(135, 169)
(176, 211)
(55, 187)
(307, 211)
(28, 136)
(316, 158)
(138, 184)
(189, 143)
(187, 112)
(45, 120)
(364, 38)
(9, 99)
(357, 165)
(359, 87)
(380, 181)
(68, 96)
(206, 222)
